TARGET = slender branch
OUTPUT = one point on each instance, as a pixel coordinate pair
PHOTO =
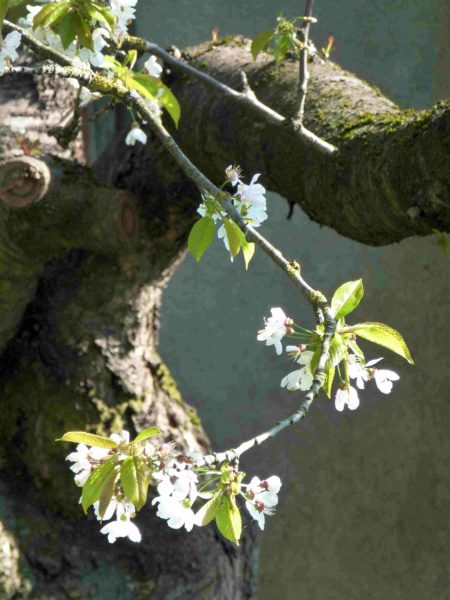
(303, 67)
(244, 98)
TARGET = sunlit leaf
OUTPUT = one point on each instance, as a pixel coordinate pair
(383, 335)
(261, 42)
(146, 433)
(329, 381)
(233, 235)
(90, 439)
(201, 236)
(346, 298)
(208, 511)
(93, 487)
(107, 492)
(129, 479)
(228, 520)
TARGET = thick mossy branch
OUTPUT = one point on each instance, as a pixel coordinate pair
(390, 178)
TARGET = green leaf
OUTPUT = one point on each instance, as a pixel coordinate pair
(149, 87)
(66, 30)
(383, 335)
(228, 519)
(208, 511)
(248, 250)
(147, 433)
(281, 46)
(261, 42)
(346, 298)
(129, 479)
(144, 475)
(108, 16)
(93, 487)
(355, 349)
(329, 382)
(337, 351)
(51, 14)
(130, 59)
(107, 492)
(233, 235)
(90, 439)
(201, 236)
(83, 31)
(94, 12)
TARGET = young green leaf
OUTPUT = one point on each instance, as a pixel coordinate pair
(152, 88)
(144, 475)
(261, 42)
(355, 349)
(337, 351)
(329, 382)
(228, 519)
(248, 250)
(208, 511)
(83, 31)
(233, 235)
(346, 298)
(107, 492)
(93, 487)
(147, 433)
(51, 14)
(201, 236)
(129, 480)
(66, 30)
(383, 335)
(90, 439)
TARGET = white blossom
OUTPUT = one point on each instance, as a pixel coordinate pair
(177, 513)
(8, 52)
(153, 67)
(358, 371)
(300, 379)
(135, 135)
(346, 396)
(252, 201)
(178, 483)
(275, 328)
(384, 378)
(122, 526)
(262, 497)
(233, 174)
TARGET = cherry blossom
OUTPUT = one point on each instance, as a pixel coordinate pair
(233, 174)
(275, 328)
(384, 378)
(153, 67)
(122, 526)
(262, 497)
(178, 513)
(8, 51)
(135, 135)
(300, 379)
(346, 396)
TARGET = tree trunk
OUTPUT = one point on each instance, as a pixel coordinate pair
(82, 273)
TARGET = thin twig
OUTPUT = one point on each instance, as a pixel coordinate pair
(242, 98)
(303, 67)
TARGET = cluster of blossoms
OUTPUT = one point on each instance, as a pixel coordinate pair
(180, 481)
(279, 325)
(248, 199)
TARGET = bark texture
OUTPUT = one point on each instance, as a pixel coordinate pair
(82, 274)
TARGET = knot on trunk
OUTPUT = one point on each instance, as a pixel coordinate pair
(23, 180)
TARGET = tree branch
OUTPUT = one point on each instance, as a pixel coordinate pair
(243, 99)
(303, 63)
(389, 161)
